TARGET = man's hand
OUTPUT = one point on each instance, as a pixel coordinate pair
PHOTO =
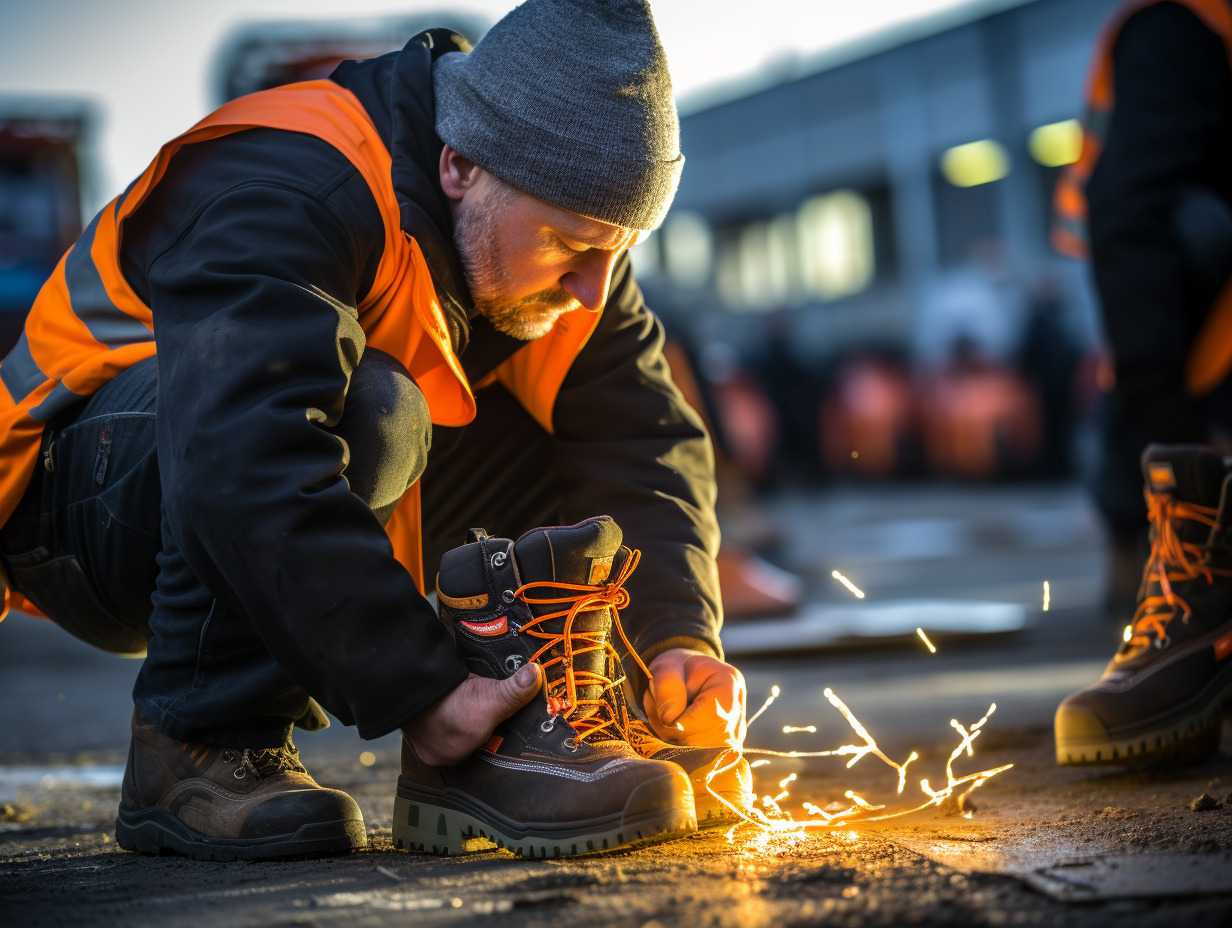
(463, 721)
(695, 698)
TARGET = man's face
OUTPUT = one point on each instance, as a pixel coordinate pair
(528, 262)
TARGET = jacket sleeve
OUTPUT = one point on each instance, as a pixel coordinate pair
(256, 325)
(1173, 93)
(631, 447)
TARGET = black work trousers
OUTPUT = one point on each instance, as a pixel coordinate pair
(90, 545)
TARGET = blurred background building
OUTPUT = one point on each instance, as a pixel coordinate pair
(856, 267)
(866, 245)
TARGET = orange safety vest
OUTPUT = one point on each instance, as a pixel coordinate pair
(1210, 357)
(87, 324)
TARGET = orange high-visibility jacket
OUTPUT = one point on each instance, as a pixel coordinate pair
(1210, 359)
(87, 324)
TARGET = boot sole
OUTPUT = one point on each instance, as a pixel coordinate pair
(1190, 736)
(156, 831)
(448, 822)
(713, 814)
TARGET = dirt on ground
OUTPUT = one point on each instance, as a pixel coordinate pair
(1043, 846)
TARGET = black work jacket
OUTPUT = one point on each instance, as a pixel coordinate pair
(277, 234)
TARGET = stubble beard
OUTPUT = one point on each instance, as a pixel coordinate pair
(478, 248)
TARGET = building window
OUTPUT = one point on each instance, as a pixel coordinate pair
(835, 245)
(688, 250)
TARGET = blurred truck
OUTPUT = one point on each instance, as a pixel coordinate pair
(44, 165)
(260, 55)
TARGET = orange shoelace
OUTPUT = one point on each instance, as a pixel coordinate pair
(563, 691)
(1171, 561)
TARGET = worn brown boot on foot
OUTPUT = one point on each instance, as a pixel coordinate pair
(557, 778)
(216, 803)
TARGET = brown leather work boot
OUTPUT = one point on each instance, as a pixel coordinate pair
(215, 803)
(557, 778)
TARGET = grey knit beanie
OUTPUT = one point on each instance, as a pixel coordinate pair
(571, 102)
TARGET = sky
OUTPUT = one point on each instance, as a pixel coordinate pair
(147, 64)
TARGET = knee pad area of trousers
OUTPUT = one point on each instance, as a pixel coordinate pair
(388, 429)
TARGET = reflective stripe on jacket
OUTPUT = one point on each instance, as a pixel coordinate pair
(87, 324)
(1210, 358)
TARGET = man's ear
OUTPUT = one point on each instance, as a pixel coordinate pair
(458, 173)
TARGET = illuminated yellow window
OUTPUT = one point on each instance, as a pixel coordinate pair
(1057, 143)
(975, 163)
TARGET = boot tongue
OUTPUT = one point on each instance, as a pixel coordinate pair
(1187, 473)
(586, 554)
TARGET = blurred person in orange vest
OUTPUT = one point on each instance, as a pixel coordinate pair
(1150, 202)
(246, 413)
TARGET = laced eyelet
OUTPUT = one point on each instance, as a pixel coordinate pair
(240, 773)
(1161, 643)
(228, 757)
(572, 745)
(547, 725)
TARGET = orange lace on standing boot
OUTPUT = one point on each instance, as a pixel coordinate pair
(563, 691)
(1171, 561)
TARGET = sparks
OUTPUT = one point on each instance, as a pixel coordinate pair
(772, 819)
(1047, 596)
(859, 593)
(924, 638)
(792, 729)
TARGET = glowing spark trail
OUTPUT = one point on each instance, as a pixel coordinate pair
(1047, 596)
(772, 819)
(859, 593)
(792, 729)
(924, 637)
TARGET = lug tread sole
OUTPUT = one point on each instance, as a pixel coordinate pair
(462, 829)
(1188, 740)
(156, 832)
(1192, 745)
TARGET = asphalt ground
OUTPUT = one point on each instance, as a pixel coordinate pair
(1043, 845)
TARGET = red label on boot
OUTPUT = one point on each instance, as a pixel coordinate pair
(488, 629)
(1223, 647)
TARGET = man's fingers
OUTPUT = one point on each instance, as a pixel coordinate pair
(514, 692)
(668, 696)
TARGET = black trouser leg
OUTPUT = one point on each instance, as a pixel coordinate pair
(90, 546)
(496, 473)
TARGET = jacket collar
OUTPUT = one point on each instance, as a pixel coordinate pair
(396, 90)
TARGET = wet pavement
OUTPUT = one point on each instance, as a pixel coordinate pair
(1043, 845)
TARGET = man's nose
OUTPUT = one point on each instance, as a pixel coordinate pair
(589, 282)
